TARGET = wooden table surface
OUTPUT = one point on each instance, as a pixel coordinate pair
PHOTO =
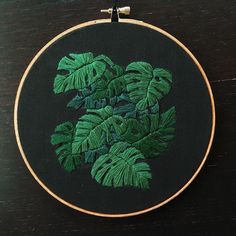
(208, 206)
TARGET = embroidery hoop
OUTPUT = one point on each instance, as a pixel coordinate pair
(123, 21)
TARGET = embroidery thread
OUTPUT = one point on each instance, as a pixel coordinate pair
(122, 126)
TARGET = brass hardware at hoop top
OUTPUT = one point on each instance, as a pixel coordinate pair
(115, 11)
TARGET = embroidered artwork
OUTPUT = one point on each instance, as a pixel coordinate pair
(123, 125)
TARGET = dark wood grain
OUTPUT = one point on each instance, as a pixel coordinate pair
(208, 206)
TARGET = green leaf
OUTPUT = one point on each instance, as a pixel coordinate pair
(86, 99)
(81, 70)
(129, 110)
(112, 85)
(105, 59)
(126, 110)
(91, 155)
(122, 166)
(147, 86)
(79, 101)
(151, 135)
(91, 127)
(62, 139)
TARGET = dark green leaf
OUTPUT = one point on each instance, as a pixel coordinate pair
(79, 101)
(91, 155)
(126, 110)
(112, 85)
(129, 110)
(86, 99)
(153, 134)
(63, 138)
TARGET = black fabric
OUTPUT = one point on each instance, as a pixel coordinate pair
(40, 110)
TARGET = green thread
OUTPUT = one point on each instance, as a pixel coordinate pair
(122, 126)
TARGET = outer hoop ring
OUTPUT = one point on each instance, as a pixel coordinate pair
(129, 21)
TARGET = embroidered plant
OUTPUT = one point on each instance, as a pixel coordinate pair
(122, 126)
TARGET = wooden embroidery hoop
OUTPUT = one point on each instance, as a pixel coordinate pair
(123, 21)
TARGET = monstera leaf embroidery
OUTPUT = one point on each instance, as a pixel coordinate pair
(82, 71)
(113, 85)
(63, 138)
(153, 134)
(122, 166)
(91, 155)
(129, 109)
(91, 127)
(120, 123)
(146, 86)
(85, 99)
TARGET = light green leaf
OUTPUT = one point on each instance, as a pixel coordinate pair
(81, 70)
(92, 126)
(147, 86)
(122, 166)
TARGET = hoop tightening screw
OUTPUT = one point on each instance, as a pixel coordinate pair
(120, 10)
